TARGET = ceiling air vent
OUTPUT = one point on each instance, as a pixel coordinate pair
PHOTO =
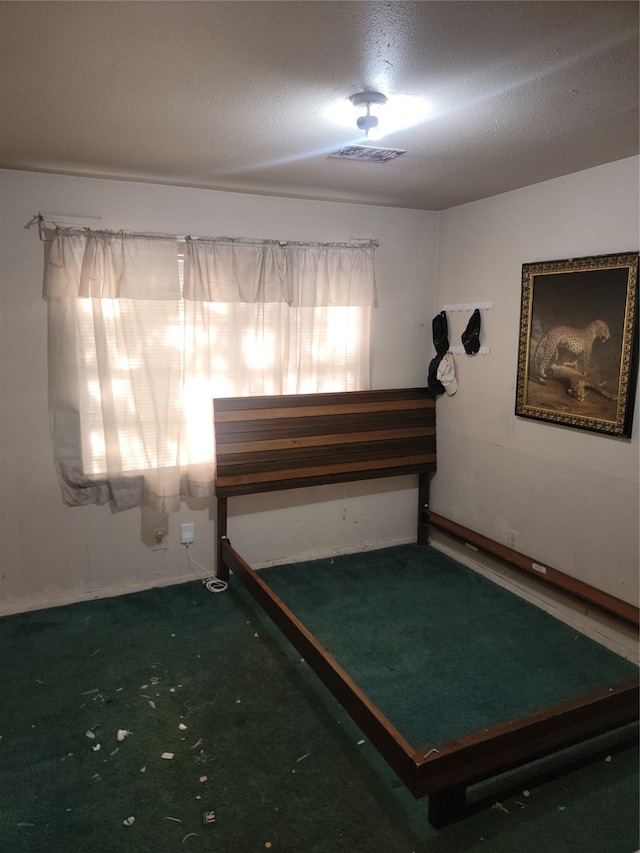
(367, 152)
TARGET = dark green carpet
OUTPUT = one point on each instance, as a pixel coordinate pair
(442, 651)
(283, 763)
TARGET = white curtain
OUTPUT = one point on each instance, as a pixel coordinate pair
(139, 346)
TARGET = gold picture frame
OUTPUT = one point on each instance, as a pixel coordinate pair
(578, 349)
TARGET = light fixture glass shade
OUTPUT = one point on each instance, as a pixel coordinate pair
(398, 113)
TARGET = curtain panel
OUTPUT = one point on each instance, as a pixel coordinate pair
(142, 336)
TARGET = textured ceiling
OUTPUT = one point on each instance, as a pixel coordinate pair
(230, 95)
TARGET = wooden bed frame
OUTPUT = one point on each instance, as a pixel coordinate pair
(284, 442)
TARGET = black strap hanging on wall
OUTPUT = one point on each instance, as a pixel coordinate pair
(471, 335)
(440, 331)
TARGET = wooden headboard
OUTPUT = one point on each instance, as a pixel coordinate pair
(285, 442)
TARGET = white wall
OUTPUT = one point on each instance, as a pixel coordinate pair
(572, 496)
(50, 553)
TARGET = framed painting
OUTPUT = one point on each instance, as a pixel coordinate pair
(578, 350)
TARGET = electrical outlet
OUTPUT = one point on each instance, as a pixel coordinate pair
(512, 538)
(187, 534)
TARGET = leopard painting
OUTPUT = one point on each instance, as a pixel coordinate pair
(577, 341)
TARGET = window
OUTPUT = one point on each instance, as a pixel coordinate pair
(132, 376)
(165, 362)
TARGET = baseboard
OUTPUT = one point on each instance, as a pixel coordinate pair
(108, 592)
(579, 615)
(335, 552)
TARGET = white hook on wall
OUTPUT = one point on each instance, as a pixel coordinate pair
(469, 306)
(462, 351)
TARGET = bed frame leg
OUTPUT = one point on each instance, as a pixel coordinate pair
(221, 570)
(447, 806)
(423, 509)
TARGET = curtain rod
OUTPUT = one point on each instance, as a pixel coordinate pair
(45, 223)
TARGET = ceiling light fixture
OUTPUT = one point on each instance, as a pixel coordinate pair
(376, 114)
(367, 122)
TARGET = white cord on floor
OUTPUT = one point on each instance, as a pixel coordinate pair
(212, 584)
